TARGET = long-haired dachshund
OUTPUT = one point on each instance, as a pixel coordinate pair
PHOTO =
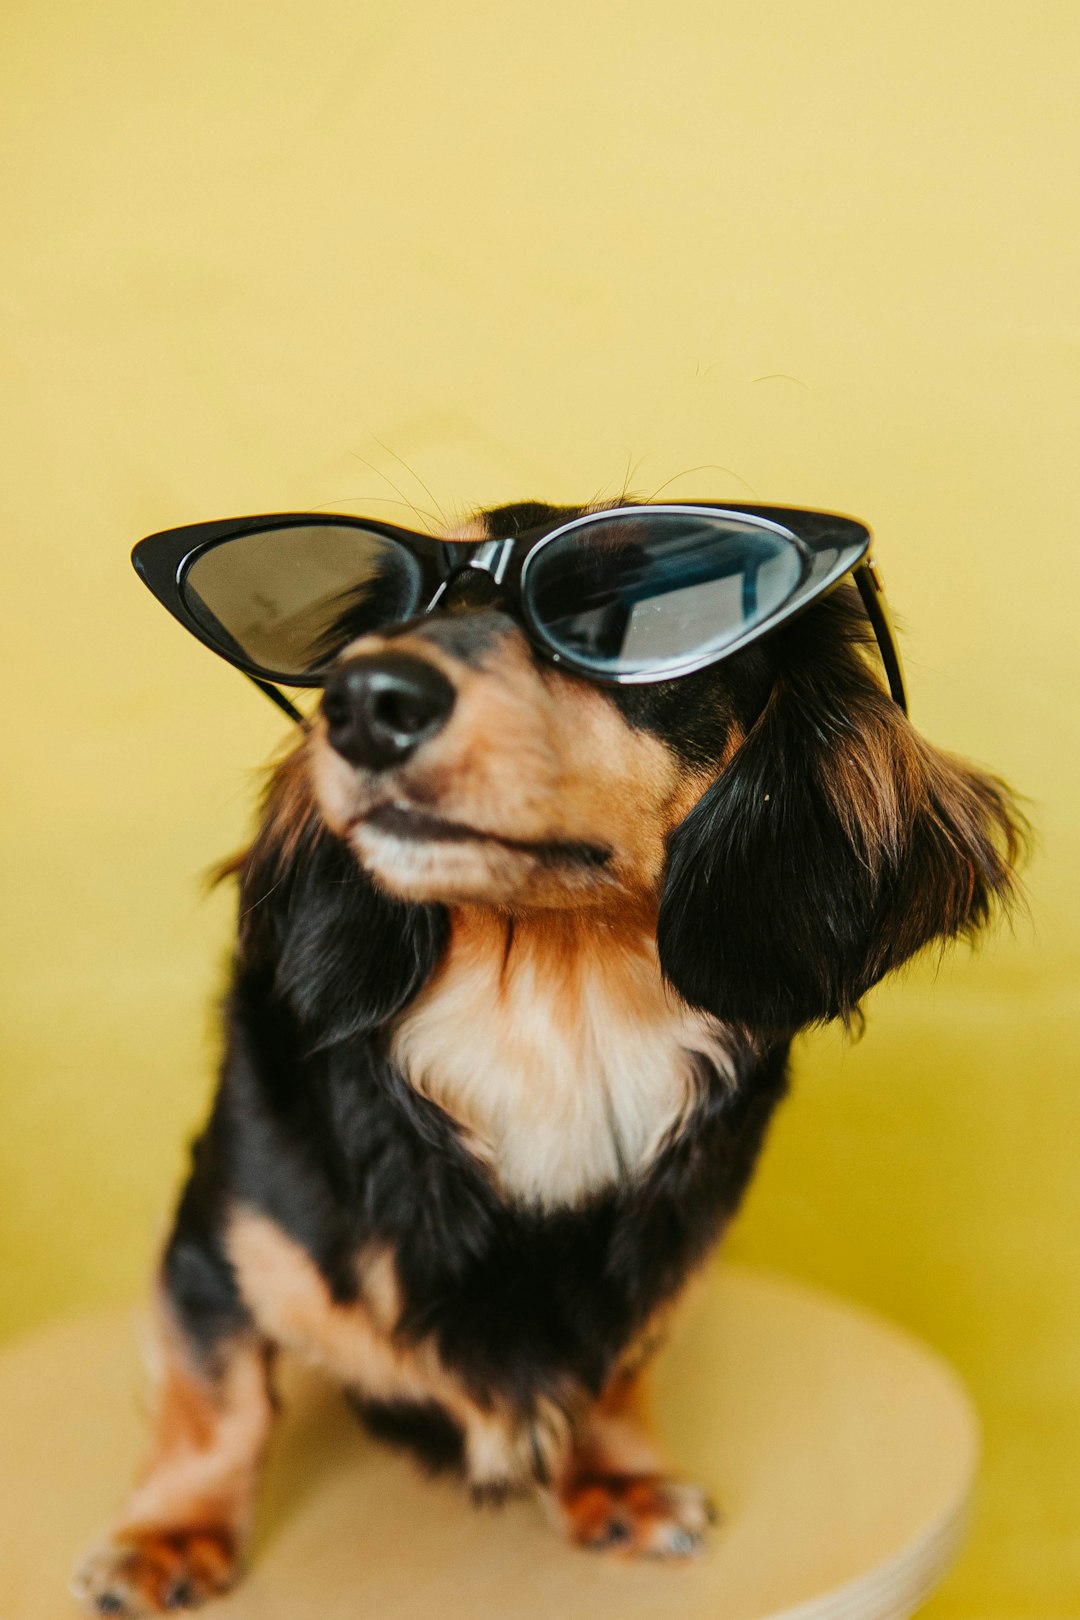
(524, 934)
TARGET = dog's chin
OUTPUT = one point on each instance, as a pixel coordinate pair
(418, 857)
(415, 870)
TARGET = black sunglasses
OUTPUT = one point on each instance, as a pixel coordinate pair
(620, 597)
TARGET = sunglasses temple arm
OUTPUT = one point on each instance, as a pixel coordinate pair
(276, 697)
(878, 613)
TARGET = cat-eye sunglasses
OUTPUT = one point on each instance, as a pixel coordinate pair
(621, 597)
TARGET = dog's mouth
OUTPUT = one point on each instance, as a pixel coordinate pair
(412, 826)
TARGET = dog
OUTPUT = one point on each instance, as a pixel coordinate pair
(510, 1014)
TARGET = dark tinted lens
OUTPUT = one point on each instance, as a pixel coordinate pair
(632, 593)
(290, 599)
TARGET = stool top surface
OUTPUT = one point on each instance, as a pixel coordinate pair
(840, 1451)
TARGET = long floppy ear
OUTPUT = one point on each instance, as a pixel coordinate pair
(835, 845)
(343, 955)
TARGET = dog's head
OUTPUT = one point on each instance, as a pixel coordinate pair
(774, 817)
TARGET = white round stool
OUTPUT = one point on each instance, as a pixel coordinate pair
(840, 1452)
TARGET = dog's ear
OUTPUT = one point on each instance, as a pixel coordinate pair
(835, 845)
(342, 954)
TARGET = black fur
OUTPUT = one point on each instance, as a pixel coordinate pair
(694, 715)
(344, 955)
(504, 522)
(423, 1427)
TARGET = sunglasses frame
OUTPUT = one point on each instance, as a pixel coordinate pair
(164, 560)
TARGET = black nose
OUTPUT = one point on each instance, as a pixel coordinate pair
(379, 710)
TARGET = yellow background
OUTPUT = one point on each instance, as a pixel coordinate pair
(825, 254)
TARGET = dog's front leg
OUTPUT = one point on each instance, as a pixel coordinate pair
(180, 1536)
(615, 1493)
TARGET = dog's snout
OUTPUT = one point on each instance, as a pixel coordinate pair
(379, 710)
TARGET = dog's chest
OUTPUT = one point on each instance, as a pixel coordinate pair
(566, 1072)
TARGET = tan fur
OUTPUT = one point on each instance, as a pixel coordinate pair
(615, 1493)
(185, 1524)
(208, 1443)
(527, 756)
(209, 1431)
(587, 1062)
(894, 781)
(883, 778)
(616, 1437)
(475, 527)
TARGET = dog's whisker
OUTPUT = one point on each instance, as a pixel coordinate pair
(420, 511)
(705, 466)
(414, 474)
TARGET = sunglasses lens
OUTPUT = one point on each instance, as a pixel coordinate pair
(633, 593)
(288, 599)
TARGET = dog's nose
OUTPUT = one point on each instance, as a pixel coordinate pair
(379, 710)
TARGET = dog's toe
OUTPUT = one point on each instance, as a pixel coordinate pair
(155, 1572)
(637, 1516)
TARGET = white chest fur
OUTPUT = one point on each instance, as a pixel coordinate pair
(566, 1066)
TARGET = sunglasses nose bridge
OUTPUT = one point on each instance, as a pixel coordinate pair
(489, 562)
(492, 557)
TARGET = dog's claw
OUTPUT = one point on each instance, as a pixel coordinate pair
(681, 1542)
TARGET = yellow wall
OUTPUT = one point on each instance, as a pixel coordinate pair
(825, 254)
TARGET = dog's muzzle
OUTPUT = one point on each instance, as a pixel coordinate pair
(379, 710)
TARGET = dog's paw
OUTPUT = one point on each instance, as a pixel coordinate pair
(636, 1516)
(157, 1571)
